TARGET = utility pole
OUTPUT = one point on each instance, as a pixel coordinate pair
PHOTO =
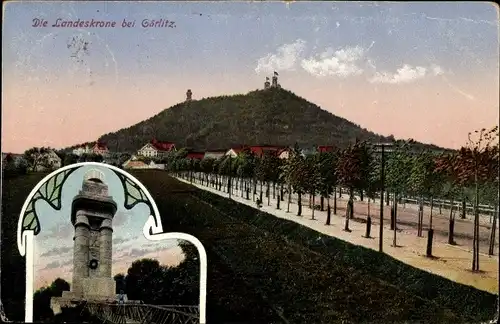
(382, 180)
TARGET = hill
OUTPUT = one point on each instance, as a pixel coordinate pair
(274, 116)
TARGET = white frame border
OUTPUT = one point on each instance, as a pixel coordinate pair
(26, 242)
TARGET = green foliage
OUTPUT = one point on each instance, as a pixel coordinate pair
(355, 166)
(152, 283)
(14, 166)
(314, 181)
(296, 169)
(398, 168)
(92, 157)
(36, 157)
(327, 166)
(42, 297)
(424, 179)
(246, 164)
(256, 118)
(267, 166)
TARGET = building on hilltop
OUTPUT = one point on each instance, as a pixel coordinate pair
(267, 84)
(189, 95)
(274, 83)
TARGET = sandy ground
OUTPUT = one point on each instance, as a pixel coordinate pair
(407, 220)
(452, 262)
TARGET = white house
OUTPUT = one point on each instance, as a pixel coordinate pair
(83, 149)
(156, 149)
(284, 153)
(234, 152)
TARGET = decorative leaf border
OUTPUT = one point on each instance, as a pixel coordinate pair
(133, 194)
(50, 191)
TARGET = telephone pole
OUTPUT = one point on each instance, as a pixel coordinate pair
(382, 181)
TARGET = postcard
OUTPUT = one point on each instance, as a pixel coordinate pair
(249, 162)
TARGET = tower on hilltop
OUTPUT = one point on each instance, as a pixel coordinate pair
(267, 84)
(275, 83)
(189, 95)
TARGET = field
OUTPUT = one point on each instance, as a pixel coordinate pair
(267, 270)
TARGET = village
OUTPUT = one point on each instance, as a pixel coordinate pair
(150, 156)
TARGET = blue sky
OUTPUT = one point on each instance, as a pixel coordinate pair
(199, 38)
(433, 63)
(54, 243)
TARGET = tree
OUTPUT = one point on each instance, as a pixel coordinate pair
(266, 172)
(69, 158)
(446, 166)
(296, 168)
(227, 169)
(41, 299)
(477, 164)
(145, 281)
(245, 169)
(149, 281)
(354, 170)
(373, 182)
(313, 178)
(328, 185)
(424, 181)
(120, 283)
(397, 177)
(36, 157)
(206, 166)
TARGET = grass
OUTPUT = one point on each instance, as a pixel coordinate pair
(310, 277)
(14, 192)
(267, 270)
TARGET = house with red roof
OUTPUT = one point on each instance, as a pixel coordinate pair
(195, 155)
(260, 150)
(214, 154)
(235, 151)
(325, 148)
(100, 149)
(284, 153)
(156, 148)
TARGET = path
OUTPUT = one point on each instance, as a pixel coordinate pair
(451, 262)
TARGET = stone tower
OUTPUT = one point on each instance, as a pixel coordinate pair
(275, 80)
(92, 217)
(189, 95)
(267, 84)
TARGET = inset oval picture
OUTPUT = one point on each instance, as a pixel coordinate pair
(94, 248)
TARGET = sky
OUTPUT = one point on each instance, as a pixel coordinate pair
(54, 243)
(422, 70)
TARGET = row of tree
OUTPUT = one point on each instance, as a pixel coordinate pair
(467, 175)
